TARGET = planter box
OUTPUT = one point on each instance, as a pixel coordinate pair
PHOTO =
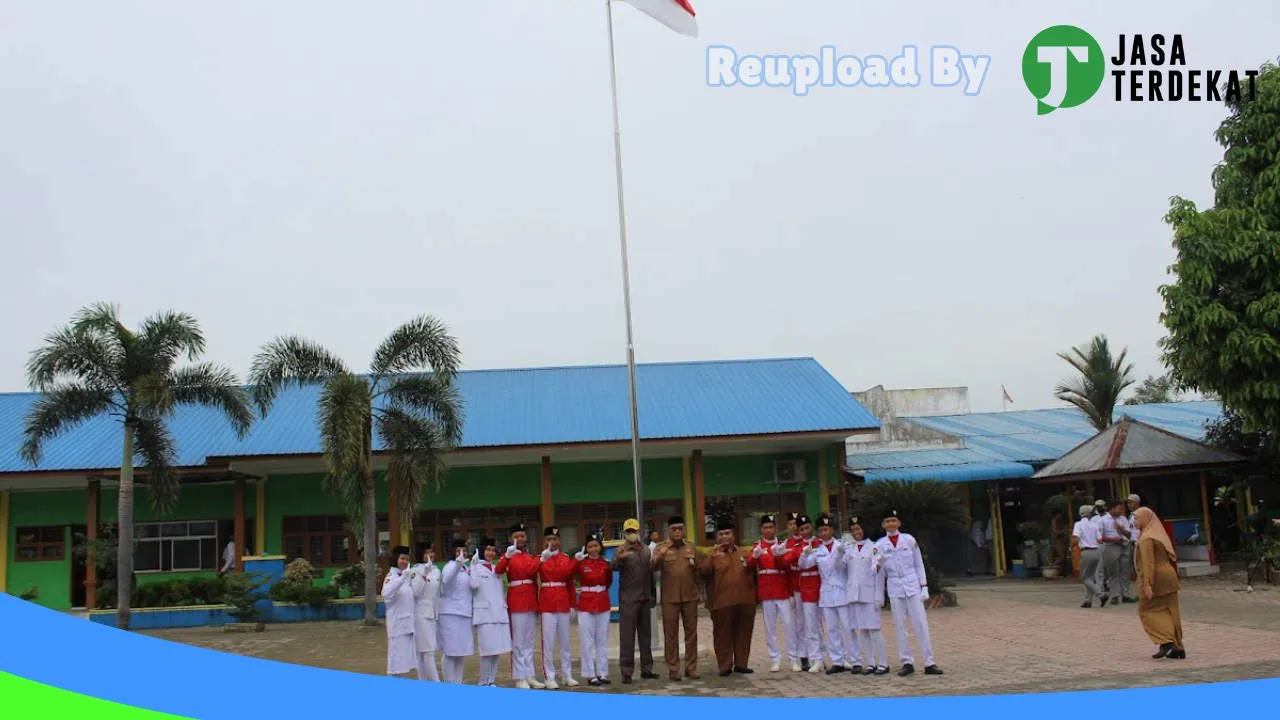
(1193, 552)
(219, 615)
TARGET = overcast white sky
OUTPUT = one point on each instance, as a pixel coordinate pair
(334, 168)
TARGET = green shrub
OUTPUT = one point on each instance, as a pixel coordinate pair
(351, 579)
(300, 571)
(242, 592)
(303, 593)
(180, 593)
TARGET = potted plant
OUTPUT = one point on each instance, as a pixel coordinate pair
(1034, 533)
(1050, 567)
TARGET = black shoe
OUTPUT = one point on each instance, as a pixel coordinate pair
(871, 670)
(743, 670)
(1130, 600)
(1178, 654)
(726, 673)
(593, 682)
(835, 669)
(605, 681)
(804, 664)
(932, 670)
(907, 669)
(1164, 650)
(856, 669)
(1103, 602)
(1086, 604)
(883, 670)
(646, 675)
(626, 679)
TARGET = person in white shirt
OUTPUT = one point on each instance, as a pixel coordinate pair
(1085, 536)
(424, 579)
(228, 557)
(864, 589)
(456, 639)
(397, 598)
(489, 611)
(1127, 594)
(1112, 541)
(828, 557)
(908, 588)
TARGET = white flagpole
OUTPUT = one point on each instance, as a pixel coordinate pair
(626, 275)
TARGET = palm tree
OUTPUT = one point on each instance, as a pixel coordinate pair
(408, 397)
(1155, 389)
(97, 366)
(1102, 380)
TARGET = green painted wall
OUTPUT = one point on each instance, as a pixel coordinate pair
(195, 502)
(615, 481)
(474, 487)
(52, 577)
(753, 475)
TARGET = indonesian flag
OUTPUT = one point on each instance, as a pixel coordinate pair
(675, 14)
(1007, 398)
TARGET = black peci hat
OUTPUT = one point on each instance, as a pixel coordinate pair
(593, 538)
(518, 527)
(824, 521)
(767, 520)
(488, 543)
(459, 543)
(551, 531)
(891, 514)
(724, 524)
(793, 517)
(399, 550)
(802, 520)
(423, 547)
(853, 521)
(675, 520)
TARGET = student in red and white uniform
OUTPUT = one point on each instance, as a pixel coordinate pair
(521, 568)
(555, 600)
(807, 621)
(595, 575)
(768, 559)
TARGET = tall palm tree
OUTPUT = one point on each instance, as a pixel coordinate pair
(97, 366)
(1102, 380)
(408, 398)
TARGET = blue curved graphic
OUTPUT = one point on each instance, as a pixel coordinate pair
(101, 662)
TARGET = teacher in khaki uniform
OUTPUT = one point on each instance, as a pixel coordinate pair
(676, 559)
(731, 596)
(635, 600)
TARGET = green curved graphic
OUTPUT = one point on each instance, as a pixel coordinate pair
(36, 700)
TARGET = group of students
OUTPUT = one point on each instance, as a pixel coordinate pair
(827, 593)
(1107, 537)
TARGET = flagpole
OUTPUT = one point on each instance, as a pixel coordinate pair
(626, 274)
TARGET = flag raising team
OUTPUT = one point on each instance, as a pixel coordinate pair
(824, 593)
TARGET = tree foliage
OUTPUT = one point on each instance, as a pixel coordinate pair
(1100, 382)
(408, 403)
(97, 366)
(1222, 311)
(1154, 389)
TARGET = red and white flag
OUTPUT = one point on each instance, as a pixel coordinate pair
(1007, 398)
(675, 14)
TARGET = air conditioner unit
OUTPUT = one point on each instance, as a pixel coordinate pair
(788, 472)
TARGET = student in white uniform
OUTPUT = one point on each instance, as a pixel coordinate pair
(908, 589)
(489, 612)
(1130, 533)
(456, 641)
(1099, 516)
(397, 598)
(228, 557)
(1085, 536)
(425, 580)
(864, 589)
(828, 557)
(1113, 537)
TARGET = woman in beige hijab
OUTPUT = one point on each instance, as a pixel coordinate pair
(1158, 586)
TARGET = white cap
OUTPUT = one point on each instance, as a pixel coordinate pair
(1134, 498)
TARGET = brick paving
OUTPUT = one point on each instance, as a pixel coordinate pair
(1006, 636)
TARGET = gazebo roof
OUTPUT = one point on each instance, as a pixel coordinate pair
(1130, 446)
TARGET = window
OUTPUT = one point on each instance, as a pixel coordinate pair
(576, 522)
(442, 527)
(1175, 496)
(324, 541)
(39, 544)
(747, 510)
(183, 545)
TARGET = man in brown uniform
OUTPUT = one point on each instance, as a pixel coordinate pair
(731, 594)
(677, 561)
(635, 600)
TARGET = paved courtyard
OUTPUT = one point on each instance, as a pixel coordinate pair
(1007, 636)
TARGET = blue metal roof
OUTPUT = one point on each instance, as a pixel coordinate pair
(971, 472)
(1004, 445)
(504, 408)
(1042, 436)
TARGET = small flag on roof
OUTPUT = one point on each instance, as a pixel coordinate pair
(675, 14)
(1007, 397)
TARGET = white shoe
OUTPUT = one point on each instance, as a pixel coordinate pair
(795, 666)
(536, 685)
(816, 668)
(551, 684)
(775, 667)
(569, 681)
(523, 685)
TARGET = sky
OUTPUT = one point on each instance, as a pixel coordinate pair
(333, 169)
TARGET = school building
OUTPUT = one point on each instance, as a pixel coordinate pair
(542, 446)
